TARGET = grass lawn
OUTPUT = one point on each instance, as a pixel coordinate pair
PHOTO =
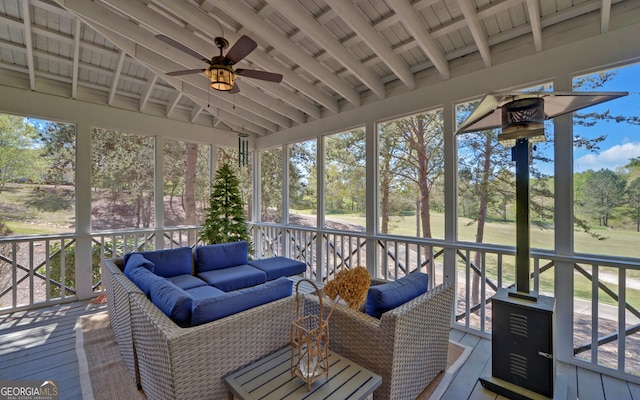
(617, 243)
(37, 209)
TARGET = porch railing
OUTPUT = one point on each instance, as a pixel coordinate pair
(39, 271)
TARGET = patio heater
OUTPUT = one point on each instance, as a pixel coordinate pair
(522, 323)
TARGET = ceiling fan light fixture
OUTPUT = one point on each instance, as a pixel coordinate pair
(221, 77)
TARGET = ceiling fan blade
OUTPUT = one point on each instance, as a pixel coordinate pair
(241, 49)
(235, 88)
(186, 72)
(263, 75)
(181, 47)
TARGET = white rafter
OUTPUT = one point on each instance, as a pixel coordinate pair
(471, 17)
(372, 38)
(533, 7)
(605, 15)
(76, 58)
(116, 77)
(319, 34)
(195, 111)
(173, 103)
(28, 43)
(418, 29)
(147, 92)
(252, 21)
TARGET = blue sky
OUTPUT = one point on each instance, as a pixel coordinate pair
(623, 140)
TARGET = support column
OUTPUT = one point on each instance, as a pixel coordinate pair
(450, 192)
(83, 212)
(372, 196)
(563, 222)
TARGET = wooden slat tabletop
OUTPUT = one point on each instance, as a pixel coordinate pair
(270, 378)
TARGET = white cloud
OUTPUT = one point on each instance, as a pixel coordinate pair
(610, 158)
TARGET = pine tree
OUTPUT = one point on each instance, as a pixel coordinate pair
(225, 220)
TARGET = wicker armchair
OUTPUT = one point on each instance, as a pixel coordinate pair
(407, 346)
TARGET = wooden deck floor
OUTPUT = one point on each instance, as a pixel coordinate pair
(40, 345)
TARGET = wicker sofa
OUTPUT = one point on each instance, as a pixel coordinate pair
(170, 362)
(407, 346)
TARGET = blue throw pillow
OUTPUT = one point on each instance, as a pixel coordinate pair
(173, 301)
(222, 255)
(136, 260)
(170, 262)
(385, 297)
(216, 307)
(144, 279)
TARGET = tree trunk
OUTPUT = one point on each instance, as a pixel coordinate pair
(418, 216)
(482, 217)
(384, 207)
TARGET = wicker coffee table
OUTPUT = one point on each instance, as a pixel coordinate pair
(270, 378)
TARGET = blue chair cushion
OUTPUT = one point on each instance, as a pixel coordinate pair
(137, 260)
(173, 301)
(212, 308)
(170, 262)
(222, 255)
(186, 281)
(385, 297)
(275, 267)
(144, 279)
(234, 278)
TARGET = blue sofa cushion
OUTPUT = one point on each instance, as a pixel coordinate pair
(212, 308)
(144, 279)
(223, 255)
(234, 278)
(204, 292)
(186, 281)
(275, 267)
(173, 301)
(385, 297)
(170, 262)
(137, 260)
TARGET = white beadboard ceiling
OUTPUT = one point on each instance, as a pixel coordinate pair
(334, 54)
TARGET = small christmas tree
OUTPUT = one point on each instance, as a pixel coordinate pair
(225, 220)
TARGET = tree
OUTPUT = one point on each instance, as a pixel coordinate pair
(17, 157)
(59, 147)
(225, 220)
(345, 172)
(271, 185)
(633, 202)
(122, 169)
(602, 193)
(412, 160)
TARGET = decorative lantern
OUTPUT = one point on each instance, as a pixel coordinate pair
(309, 342)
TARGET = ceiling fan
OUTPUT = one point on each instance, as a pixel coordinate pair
(220, 71)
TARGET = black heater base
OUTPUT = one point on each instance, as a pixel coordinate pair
(509, 390)
(522, 365)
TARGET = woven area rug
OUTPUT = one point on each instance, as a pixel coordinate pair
(457, 355)
(103, 373)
